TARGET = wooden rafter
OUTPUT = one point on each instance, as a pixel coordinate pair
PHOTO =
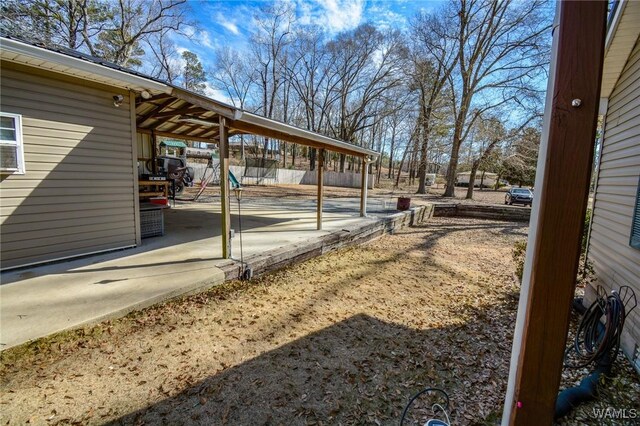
(154, 111)
(180, 111)
(140, 100)
(173, 135)
(275, 134)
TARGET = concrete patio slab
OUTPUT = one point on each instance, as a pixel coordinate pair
(38, 301)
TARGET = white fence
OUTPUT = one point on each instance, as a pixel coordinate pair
(291, 176)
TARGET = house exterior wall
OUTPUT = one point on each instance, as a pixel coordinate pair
(78, 193)
(616, 263)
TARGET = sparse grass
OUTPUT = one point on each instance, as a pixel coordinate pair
(346, 338)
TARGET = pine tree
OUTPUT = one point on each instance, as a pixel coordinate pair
(193, 75)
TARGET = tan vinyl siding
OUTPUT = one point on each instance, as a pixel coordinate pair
(77, 195)
(617, 263)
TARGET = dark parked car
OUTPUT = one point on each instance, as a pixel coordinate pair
(519, 196)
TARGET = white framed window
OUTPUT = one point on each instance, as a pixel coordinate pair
(11, 148)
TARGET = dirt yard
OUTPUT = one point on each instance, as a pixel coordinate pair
(346, 338)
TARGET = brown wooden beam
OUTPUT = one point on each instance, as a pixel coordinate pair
(213, 135)
(225, 191)
(179, 111)
(554, 249)
(140, 100)
(320, 167)
(154, 111)
(175, 135)
(257, 130)
(225, 111)
(364, 183)
(174, 127)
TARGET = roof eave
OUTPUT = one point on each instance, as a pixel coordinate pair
(129, 81)
(306, 135)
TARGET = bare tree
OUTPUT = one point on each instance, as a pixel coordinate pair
(233, 75)
(305, 72)
(366, 65)
(134, 23)
(69, 23)
(501, 51)
(269, 41)
(167, 59)
(433, 57)
(488, 133)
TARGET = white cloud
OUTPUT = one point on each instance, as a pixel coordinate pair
(204, 38)
(189, 31)
(333, 15)
(216, 94)
(385, 18)
(227, 23)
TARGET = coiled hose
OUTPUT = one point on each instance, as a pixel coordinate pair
(596, 342)
(592, 342)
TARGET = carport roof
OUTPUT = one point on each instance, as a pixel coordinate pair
(170, 110)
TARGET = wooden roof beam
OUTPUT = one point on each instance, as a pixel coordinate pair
(275, 134)
(154, 111)
(175, 135)
(180, 111)
(140, 100)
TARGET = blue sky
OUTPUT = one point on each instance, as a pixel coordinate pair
(228, 22)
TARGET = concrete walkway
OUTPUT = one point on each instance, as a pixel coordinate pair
(39, 301)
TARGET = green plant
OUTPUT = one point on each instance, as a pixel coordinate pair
(519, 252)
(585, 229)
(586, 274)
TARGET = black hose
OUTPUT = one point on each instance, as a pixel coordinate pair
(422, 392)
(594, 339)
(596, 342)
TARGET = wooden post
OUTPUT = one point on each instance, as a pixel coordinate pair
(154, 154)
(564, 168)
(225, 220)
(363, 186)
(320, 167)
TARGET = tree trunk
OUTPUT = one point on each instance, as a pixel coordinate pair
(404, 156)
(451, 171)
(342, 161)
(497, 185)
(293, 155)
(284, 156)
(312, 159)
(472, 179)
(422, 168)
(482, 179)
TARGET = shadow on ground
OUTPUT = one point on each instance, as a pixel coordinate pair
(359, 371)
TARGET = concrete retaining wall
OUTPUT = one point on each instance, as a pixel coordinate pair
(285, 256)
(291, 176)
(482, 211)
